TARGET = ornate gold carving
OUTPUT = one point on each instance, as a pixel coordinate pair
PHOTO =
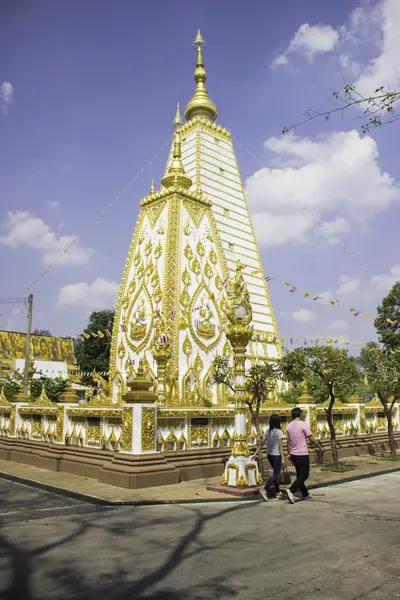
(200, 249)
(148, 428)
(213, 257)
(186, 277)
(127, 429)
(199, 437)
(195, 266)
(198, 365)
(158, 251)
(208, 272)
(121, 350)
(187, 347)
(188, 252)
(60, 424)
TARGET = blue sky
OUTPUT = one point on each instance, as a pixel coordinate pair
(87, 95)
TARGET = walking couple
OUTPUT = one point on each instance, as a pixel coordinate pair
(298, 435)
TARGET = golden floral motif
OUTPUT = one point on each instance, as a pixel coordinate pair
(60, 424)
(158, 251)
(187, 228)
(208, 271)
(142, 237)
(121, 350)
(149, 267)
(161, 228)
(132, 286)
(213, 257)
(157, 296)
(198, 365)
(148, 429)
(188, 252)
(140, 272)
(186, 277)
(93, 433)
(155, 279)
(125, 302)
(199, 437)
(148, 248)
(218, 282)
(195, 266)
(187, 347)
(137, 259)
(200, 249)
(185, 298)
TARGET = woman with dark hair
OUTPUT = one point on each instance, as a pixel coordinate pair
(273, 437)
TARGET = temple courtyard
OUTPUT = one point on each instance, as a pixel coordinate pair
(343, 544)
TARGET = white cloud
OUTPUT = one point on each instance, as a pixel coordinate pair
(337, 173)
(331, 229)
(98, 295)
(303, 315)
(349, 286)
(309, 40)
(385, 281)
(6, 96)
(338, 326)
(382, 69)
(26, 230)
(53, 203)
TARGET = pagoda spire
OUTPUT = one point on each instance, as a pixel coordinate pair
(177, 122)
(201, 104)
(176, 173)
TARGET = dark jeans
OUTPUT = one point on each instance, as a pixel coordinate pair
(276, 463)
(302, 466)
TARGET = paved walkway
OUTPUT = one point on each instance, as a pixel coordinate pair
(184, 491)
(343, 544)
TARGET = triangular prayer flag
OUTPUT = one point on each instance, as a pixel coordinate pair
(100, 334)
(288, 284)
(307, 294)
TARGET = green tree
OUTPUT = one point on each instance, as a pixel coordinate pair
(12, 385)
(93, 353)
(260, 380)
(53, 386)
(332, 369)
(363, 358)
(387, 323)
(382, 375)
(378, 108)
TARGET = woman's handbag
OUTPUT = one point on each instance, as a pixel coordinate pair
(284, 477)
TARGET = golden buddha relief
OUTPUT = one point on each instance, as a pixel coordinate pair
(205, 319)
(139, 319)
(138, 322)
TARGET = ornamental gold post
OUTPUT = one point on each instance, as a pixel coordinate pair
(240, 470)
(161, 354)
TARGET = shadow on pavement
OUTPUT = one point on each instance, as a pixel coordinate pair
(57, 569)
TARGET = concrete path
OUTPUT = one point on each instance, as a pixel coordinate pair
(185, 491)
(342, 545)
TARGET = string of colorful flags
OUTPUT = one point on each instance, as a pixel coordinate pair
(315, 220)
(91, 224)
(312, 296)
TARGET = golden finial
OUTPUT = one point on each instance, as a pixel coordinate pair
(201, 104)
(177, 122)
(176, 172)
(152, 190)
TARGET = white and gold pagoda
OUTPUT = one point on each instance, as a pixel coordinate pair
(186, 244)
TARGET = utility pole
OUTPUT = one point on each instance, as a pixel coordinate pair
(28, 344)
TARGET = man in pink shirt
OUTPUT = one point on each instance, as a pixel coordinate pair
(298, 433)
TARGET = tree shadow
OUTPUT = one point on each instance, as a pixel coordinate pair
(67, 573)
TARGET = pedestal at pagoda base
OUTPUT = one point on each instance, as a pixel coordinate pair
(231, 490)
(241, 478)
